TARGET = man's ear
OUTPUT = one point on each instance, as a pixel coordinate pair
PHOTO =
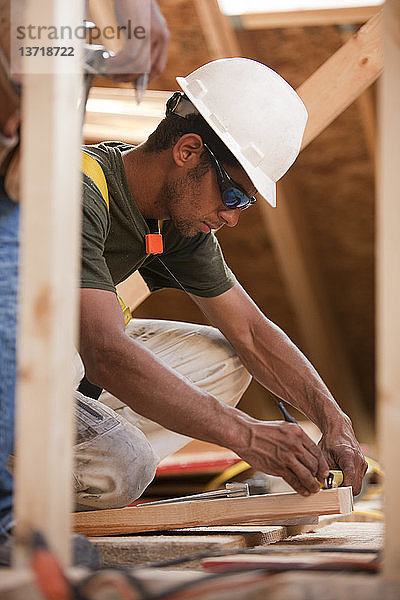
(187, 150)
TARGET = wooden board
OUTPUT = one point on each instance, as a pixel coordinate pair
(346, 535)
(342, 78)
(253, 535)
(316, 561)
(48, 311)
(305, 18)
(271, 508)
(141, 549)
(388, 236)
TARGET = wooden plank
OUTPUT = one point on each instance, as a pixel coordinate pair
(368, 536)
(342, 78)
(326, 586)
(305, 18)
(268, 508)
(388, 250)
(316, 560)
(220, 39)
(254, 535)
(140, 549)
(367, 110)
(48, 299)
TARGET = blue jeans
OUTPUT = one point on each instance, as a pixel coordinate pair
(9, 213)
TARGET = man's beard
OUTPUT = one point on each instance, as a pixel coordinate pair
(174, 193)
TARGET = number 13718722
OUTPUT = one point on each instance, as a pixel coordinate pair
(46, 50)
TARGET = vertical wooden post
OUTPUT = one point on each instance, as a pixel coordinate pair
(388, 296)
(50, 233)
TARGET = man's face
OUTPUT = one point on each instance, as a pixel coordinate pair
(195, 203)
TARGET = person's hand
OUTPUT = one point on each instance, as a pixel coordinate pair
(342, 451)
(125, 65)
(285, 450)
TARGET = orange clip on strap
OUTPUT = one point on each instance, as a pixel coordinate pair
(154, 243)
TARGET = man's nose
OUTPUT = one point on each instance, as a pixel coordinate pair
(229, 217)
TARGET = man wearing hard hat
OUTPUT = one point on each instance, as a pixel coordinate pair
(154, 208)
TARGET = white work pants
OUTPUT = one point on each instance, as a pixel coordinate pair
(118, 450)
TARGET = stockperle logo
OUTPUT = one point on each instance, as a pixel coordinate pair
(43, 41)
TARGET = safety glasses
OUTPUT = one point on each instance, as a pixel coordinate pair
(233, 195)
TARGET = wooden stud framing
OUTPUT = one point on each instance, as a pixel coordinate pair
(267, 509)
(48, 297)
(388, 292)
(306, 18)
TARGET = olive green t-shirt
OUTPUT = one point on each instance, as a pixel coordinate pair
(113, 242)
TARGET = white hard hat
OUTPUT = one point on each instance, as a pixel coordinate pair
(255, 112)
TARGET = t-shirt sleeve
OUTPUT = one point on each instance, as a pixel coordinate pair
(194, 264)
(95, 224)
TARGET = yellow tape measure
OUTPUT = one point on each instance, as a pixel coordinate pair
(334, 480)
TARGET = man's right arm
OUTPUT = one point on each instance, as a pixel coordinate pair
(139, 379)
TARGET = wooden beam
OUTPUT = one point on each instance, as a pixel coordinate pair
(112, 113)
(342, 78)
(388, 291)
(268, 509)
(139, 550)
(220, 39)
(305, 18)
(367, 110)
(295, 561)
(50, 238)
(317, 325)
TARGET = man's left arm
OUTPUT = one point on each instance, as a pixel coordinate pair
(275, 362)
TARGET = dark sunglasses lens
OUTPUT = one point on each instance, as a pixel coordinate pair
(235, 198)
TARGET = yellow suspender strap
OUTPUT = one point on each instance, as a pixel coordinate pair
(126, 311)
(92, 169)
